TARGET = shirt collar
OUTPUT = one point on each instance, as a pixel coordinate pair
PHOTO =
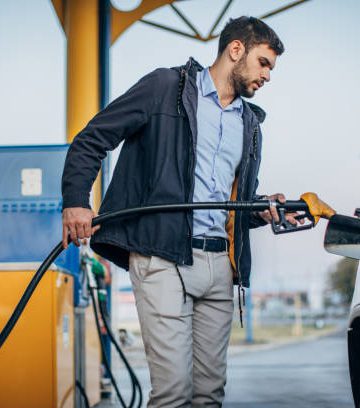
(206, 83)
(207, 87)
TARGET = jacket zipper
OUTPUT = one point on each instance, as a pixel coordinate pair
(191, 182)
(241, 290)
(255, 142)
(191, 175)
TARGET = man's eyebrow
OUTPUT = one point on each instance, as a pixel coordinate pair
(267, 62)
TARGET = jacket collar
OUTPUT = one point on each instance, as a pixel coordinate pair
(192, 67)
(259, 112)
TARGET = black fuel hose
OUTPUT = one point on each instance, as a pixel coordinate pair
(136, 387)
(82, 393)
(259, 205)
(105, 358)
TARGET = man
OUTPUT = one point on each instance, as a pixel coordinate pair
(189, 137)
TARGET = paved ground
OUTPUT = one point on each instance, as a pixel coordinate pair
(309, 374)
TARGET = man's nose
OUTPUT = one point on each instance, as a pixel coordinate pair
(265, 75)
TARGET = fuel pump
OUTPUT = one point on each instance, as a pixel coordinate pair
(55, 347)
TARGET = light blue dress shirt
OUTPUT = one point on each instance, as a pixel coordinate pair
(218, 154)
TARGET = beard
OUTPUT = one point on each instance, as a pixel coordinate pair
(240, 82)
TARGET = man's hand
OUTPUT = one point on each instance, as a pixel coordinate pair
(77, 224)
(272, 214)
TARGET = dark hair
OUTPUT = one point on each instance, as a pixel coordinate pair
(250, 31)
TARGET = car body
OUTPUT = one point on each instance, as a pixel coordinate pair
(354, 341)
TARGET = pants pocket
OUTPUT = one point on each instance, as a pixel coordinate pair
(159, 283)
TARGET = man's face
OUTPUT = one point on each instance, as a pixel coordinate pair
(252, 70)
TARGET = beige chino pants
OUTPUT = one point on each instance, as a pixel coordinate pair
(185, 340)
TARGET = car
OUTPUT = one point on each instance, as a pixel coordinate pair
(342, 237)
(354, 341)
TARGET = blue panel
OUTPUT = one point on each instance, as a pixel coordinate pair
(15, 158)
(30, 218)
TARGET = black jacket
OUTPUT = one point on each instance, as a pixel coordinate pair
(157, 120)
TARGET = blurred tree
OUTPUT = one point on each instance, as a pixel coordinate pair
(342, 279)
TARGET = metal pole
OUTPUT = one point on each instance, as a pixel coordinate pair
(104, 91)
(104, 73)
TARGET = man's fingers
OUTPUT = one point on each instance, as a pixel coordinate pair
(87, 230)
(65, 237)
(265, 215)
(80, 231)
(77, 223)
(274, 214)
(291, 219)
(277, 197)
(268, 216)
(94, 229)
(294, 219)
(73, 235)
(281, 198)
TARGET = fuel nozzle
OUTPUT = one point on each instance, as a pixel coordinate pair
(98, 269)
(284, 226)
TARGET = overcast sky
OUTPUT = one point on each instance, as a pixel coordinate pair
(311, 137)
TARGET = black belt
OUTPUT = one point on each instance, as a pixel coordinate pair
(211, 244)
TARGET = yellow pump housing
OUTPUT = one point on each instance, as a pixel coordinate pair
(37, 360)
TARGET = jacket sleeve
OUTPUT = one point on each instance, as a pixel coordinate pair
(255, 220)
(119, 120)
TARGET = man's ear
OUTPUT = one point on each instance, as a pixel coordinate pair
(236, 50)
